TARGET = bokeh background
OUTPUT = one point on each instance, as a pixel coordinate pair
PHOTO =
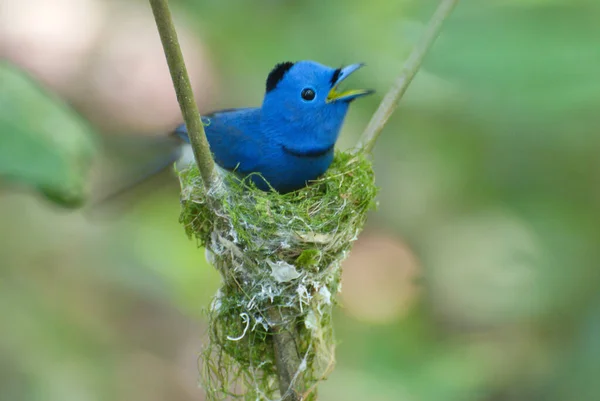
(477, 278)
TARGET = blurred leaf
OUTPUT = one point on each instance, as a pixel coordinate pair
(42, 143)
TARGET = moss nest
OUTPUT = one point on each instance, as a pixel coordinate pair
(276, 253)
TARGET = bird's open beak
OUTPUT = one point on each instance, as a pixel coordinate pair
(347, 95)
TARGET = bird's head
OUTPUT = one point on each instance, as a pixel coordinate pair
(303, 106)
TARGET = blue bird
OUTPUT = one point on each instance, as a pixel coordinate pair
(289, 140)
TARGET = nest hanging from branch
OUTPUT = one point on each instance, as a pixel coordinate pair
(279, 256)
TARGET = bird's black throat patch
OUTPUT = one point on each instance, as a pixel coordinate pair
(313, 153)
(277, 74)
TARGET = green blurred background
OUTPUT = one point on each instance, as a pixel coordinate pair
(476, 279)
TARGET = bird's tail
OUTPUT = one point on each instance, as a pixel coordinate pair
(131, 162)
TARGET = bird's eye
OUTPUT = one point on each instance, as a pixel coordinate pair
(308, 94)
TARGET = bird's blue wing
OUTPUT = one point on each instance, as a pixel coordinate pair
(233, 136)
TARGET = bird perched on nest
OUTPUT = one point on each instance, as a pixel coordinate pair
(289, 140)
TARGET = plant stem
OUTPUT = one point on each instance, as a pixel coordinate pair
(410, 69)
(183, 89)
(286, 357)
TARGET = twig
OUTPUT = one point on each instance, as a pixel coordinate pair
(410, 69)
(287, 359)
(183, 89)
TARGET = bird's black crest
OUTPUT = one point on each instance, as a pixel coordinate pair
(277, 74)
(335, 76)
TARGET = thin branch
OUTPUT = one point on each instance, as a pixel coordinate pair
(410, 69)
(287, 359)
(183, 89)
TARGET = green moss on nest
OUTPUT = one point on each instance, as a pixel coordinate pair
(274, 251)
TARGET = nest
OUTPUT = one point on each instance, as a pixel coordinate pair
(276, 253)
